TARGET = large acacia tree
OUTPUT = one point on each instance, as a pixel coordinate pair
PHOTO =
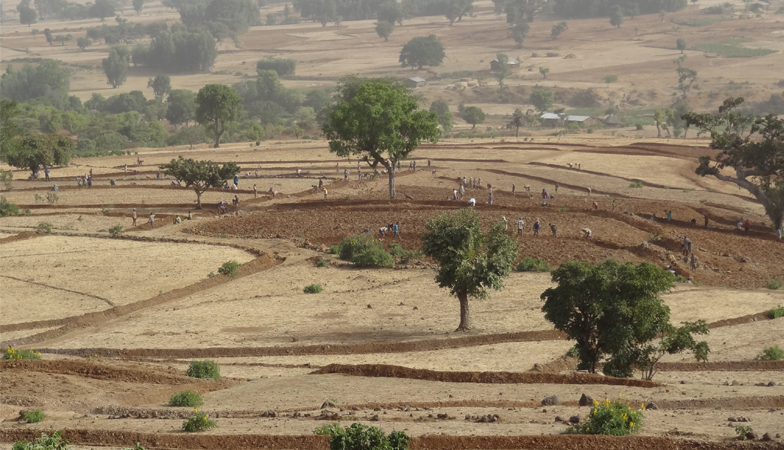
(381, 124)
(470, 262)
(200, 175)
(218, 105)
(32, 151)
(752, 147)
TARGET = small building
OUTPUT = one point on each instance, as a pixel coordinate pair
(612, 121)
(550, 119)
(414, 82)
(583, 121)
(511, 62)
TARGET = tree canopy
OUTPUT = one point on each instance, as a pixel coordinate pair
(473, 115)
(582, 9)
(178, 49)
(502, 71)
(47, 79)
(200, 175)
(611, 310)
(35, 150)
(681, 44)
(161, 85)
(558, 29)
(101, 9)
(182, 107)
(380, 124)
(115, 66)
(384, 29)
(470, 262)
(422, 51)
(542, 99)
(444, 114)
(752, 147)
(218, 105)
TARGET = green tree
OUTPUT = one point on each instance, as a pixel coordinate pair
(35, 150)
(200, 175)
(544, 71)
(9, 130)
(217, 106)
(473, 115)
(116, 67)
(272, 19)
(753, 147)
(35, 32)
(362, 437)
(390, 11)
(607, 308)
(558, 29)
(47, 79)
(422, 51)
(444, 114)
(518, 120)
(182, 107)
(48, 36)
(686, 76)
(384, 29)
(519, 32)
(83, 43)
(161, 85)
(27, 15)
(102, 9)
(542, 99)
(660, 117)
(610, 79)
(616, 16)
(681, 44)
(380, 124)
(470, 262)
(502, 70)
(645, 356)
(137, 6)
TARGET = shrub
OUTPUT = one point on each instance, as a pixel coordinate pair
(774, 284)
(334, 250)
(34, 416)
(574, 352)
(44, 442)
(313, 289)
(116, 230)
(374, 256)
(203, 369)
(322, 263)
(12, 353)
(777, 312)
(7, 207)
(362, 437)
(639, 127)
(611, 418)
(283, 67)
(354, 245)
(636, 185)
(742, 431)
(44, 228)
(774, 353)
(138, 446)
(529, 264)
(404, 255)
(229, 268)
(186, 398)
(198, 422)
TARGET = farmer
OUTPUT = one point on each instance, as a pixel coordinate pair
(694, 262)
(396, 230)
(556, 188)
(236, 202)
(513, 190)
(506, 223)
(687, 245)
(152, 220)
(472, 202)
(669, 215)
(490, 198)
(705, 217)
(537, 226)
(323, 188)
(255, 192)
(383, 231)
(595, 205)
(46, 172)
(461, 191)
(190, 215)
(590, 191)
(134, 216)
(746, 225)
(345, 174)
(554, 229)
(544, 193)
(520, 225)
(586, 233)
(273, 192)
(613, 205)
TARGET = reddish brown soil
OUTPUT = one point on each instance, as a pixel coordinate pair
(98, 371)
(388, 371)
(441, 442)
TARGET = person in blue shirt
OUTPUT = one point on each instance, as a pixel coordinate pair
(396, 230)
(536, 227)
(46, 172)
(236, 180)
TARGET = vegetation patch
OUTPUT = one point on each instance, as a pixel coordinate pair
(701, 22)
(729, 48)
(774, 353)
(186, 398)
(12, 353)
(198, 422)
(776, 312)
(529, 264)
(34, 416)
(229, 268)
(44, 442)
(204, 369)
(362, 437)
(313, 289)
(615, 418)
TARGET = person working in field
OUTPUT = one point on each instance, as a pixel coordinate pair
(255, 192)
(152, 220)
(323, 188)
(537, 226)
(520, 225)
(133, 215)
(586, 233)
(554, 229)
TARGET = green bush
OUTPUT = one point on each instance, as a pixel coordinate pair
(186, 398)
(774, 353)
(229, 268)
(742, 431)
(334, 250)
(404, 255)
(774, 284)
(574, 352)
(12, 353)
(116, 230)
(610, 418)
(138, 446)
(7, 207)
(354, 245)
(529, 264)
(198, 422)
(777, 312)
(636, 185)
(34, 416)
(362, 437)
(374, 256)
(322, 263)
(44, 228)
(313, 289)
(203, 369)
(44, 442)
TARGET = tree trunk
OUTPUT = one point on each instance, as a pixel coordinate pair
(517, 132)
(658, 130)
(198, 198)
(465, 322)
(217, 139)
(391, 169)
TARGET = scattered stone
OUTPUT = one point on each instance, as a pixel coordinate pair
(734, 383)
(551, 401)
(272, 414)
(328, 404)
(767, 437)
(376, 409)
(574, 419)
(468, 417)
(771, 384)
(559, 419)
(443, 416)
(752, 436)
(374, 418)
(652, 406)
(730, 419)
(586, 400)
